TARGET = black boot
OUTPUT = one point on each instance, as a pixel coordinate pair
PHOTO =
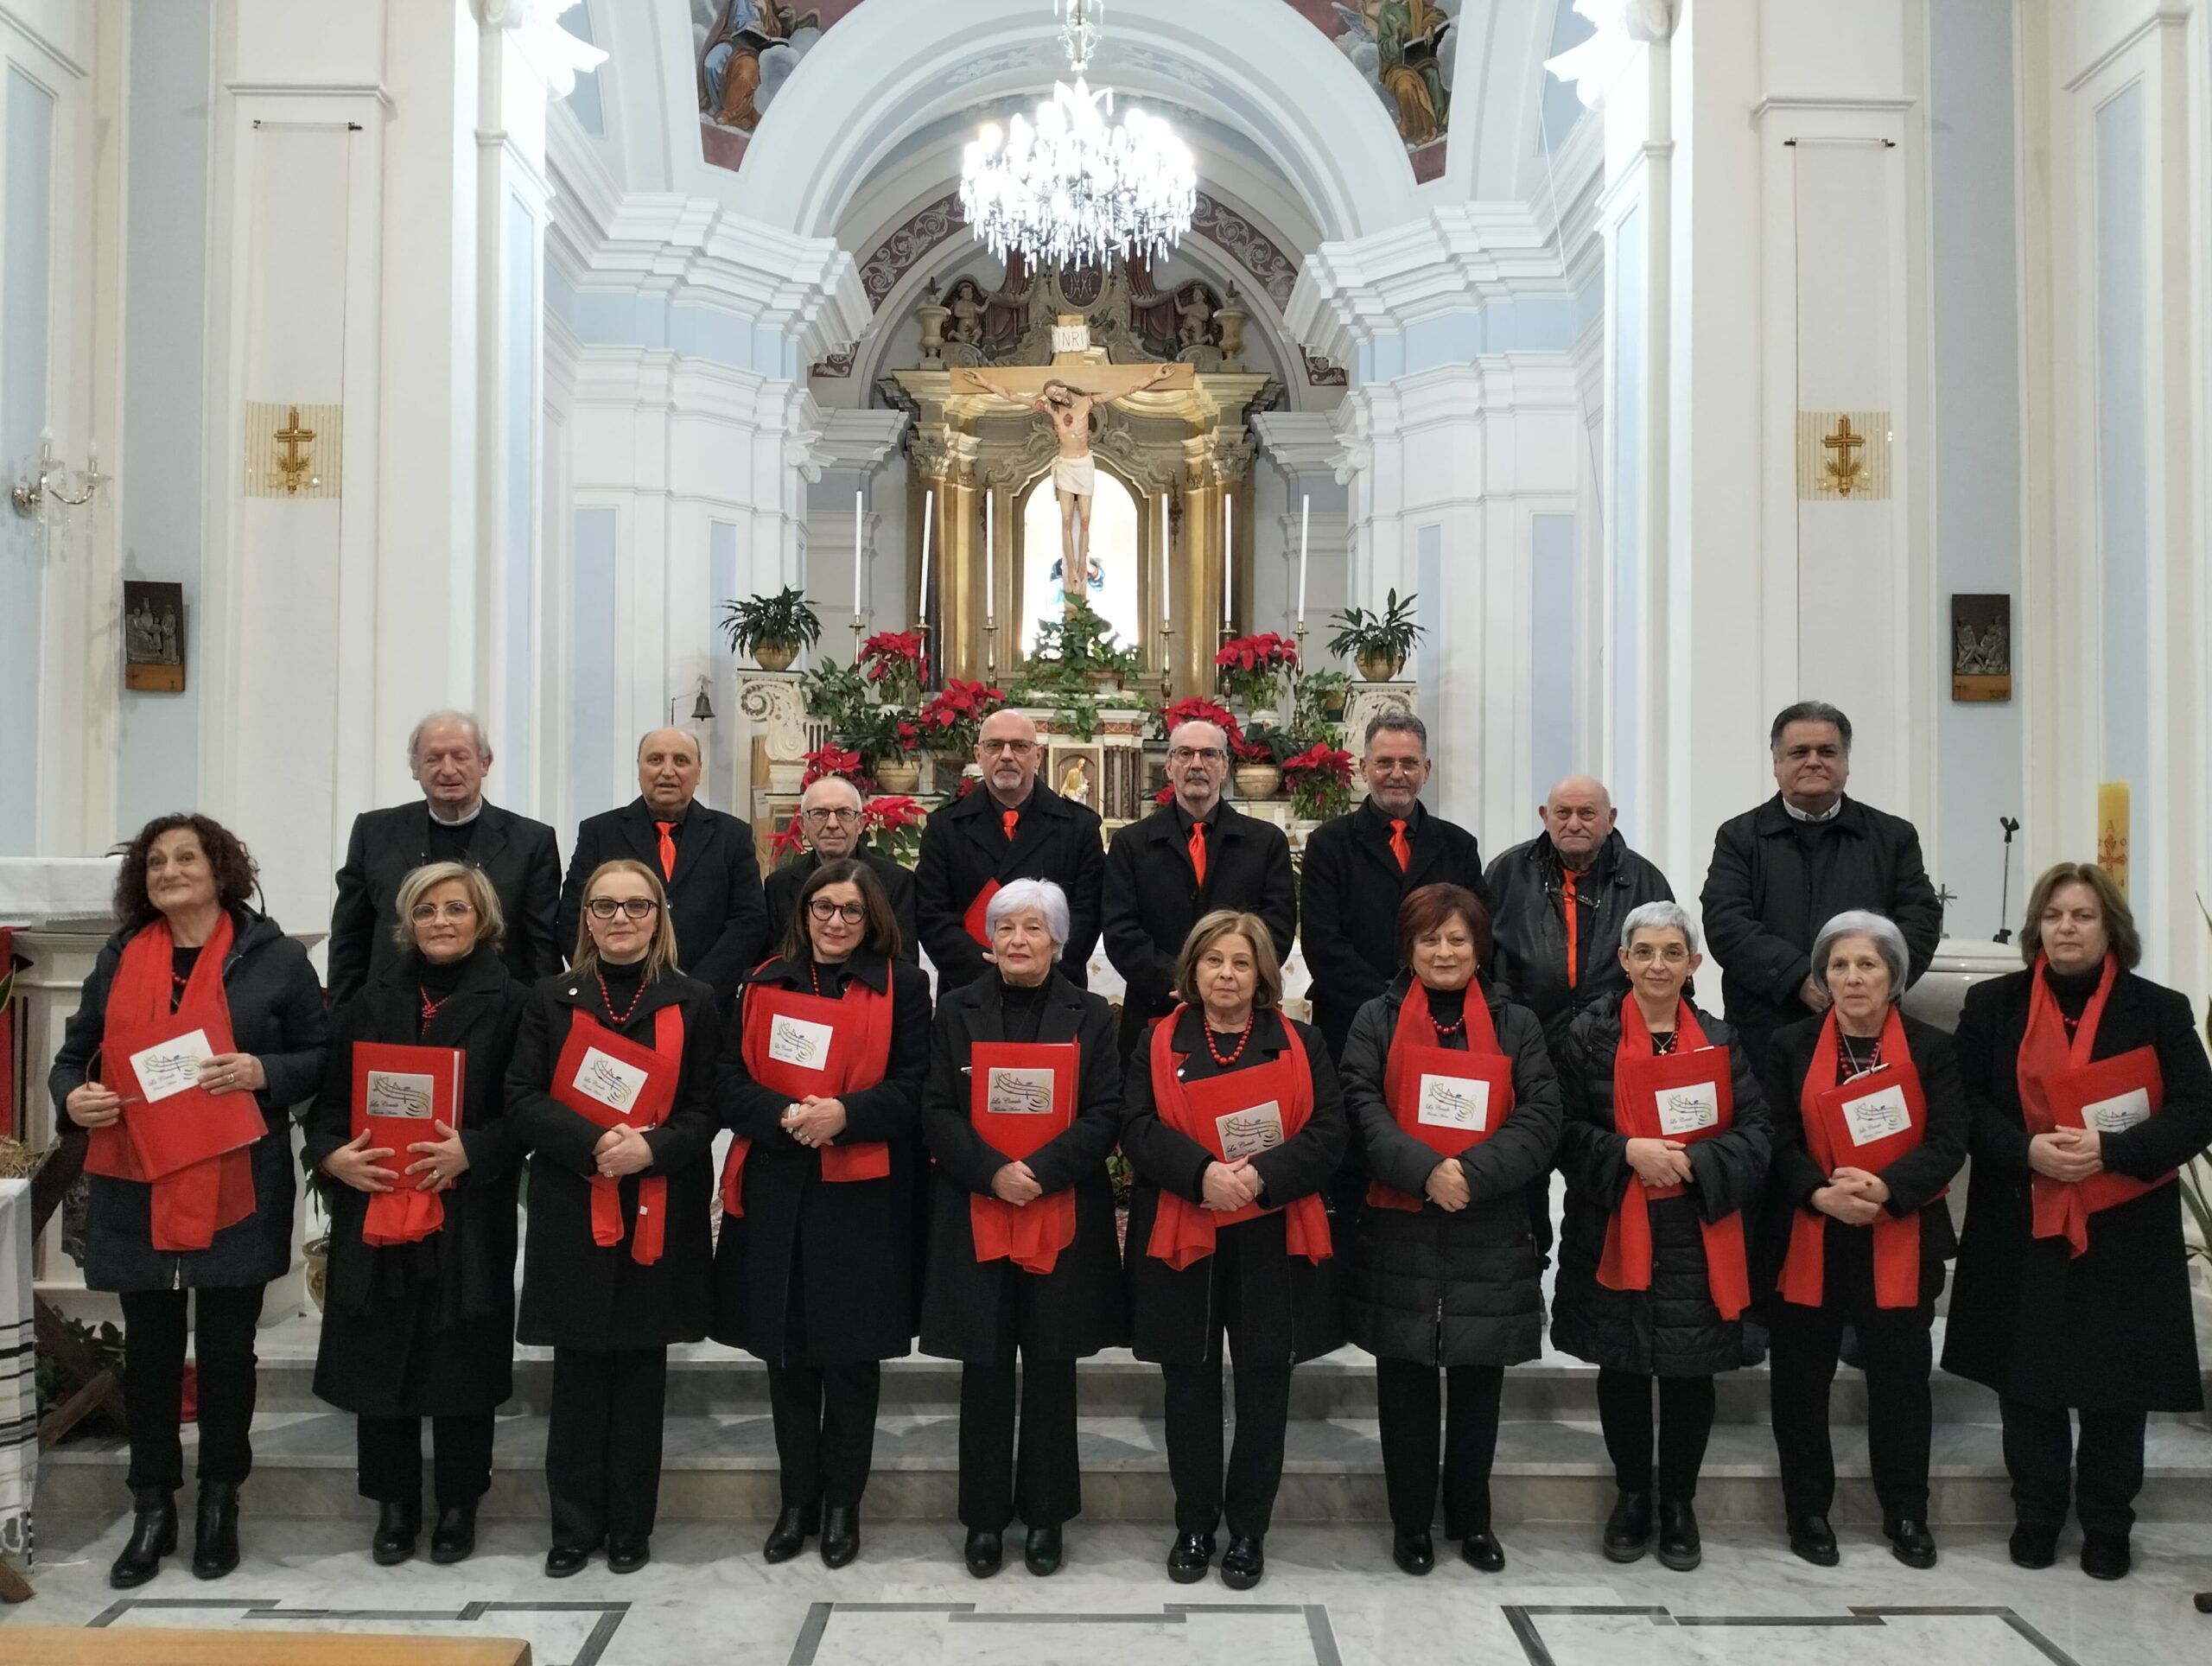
(1041, 1551)
(794, 1526)
(1680, 1546)
(1911, 1541)
(1627, 1529)
(840, 1534)
(215, 1530)
(1813, 1541)
(396, 1526)
(153, 1536)
(985, 1552)
(454, 1539)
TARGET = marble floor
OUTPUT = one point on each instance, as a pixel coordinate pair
(1331, 1596)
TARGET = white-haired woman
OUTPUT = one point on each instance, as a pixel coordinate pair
(1023, 1255)
(1665, 1145)
(1871, 1123)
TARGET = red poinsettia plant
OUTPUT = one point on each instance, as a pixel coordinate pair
(788, 844)
(1320, 779)
(897, 663)
(950, 719)
(826, 761)
(891, 824)
(1251, 666)
(1198, 709)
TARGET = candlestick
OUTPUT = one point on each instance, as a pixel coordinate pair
(1167, 569)
(929, 518)
(1166, 662)
(859, 549)
(1305, 523)
(990, 558)
(1228, 562)
(991, 650)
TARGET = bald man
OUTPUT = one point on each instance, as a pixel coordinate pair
(829, 820)
(704, 858)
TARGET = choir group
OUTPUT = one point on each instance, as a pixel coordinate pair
(500, 1044)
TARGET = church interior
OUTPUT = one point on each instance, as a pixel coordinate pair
(597, 368)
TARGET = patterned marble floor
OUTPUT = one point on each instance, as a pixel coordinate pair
(1331, 1599)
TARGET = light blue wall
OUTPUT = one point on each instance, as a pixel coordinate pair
(518, 330)
(1528, 326)
(1626, 513)
(1562, 105)
(165, 274)
(623, 319)
(2122, 492)
(1552, 653)
(1980, 747)
(1428, 582)
(590, 706)
(26, 241)
(721, 574)
(584, 101)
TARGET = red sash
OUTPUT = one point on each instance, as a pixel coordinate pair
(415, 1089)
(1032, 1234)
(855, 1056)
(1184, 1233)
(1834, 1134)
(192, 1147)
(973, 919)
(1412, 1061)
(648, 1105)
(1640, 1079)
(2059, 1085)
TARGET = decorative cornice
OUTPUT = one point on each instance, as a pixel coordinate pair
(856, 439)
(1301, 442)
(2164, 17)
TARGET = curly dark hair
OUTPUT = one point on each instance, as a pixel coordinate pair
(237, 877)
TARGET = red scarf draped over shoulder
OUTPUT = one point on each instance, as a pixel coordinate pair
(662, 1063)
(858, 1056)
(1416, 1049)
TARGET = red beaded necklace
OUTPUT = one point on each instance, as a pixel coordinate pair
(607, 1001)
(1242, 1041)
(430, 1008)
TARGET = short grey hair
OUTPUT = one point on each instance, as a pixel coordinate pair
(468, 719)
(1880, 930)
(1397, 722)
(845, 781)
(1809, 711)
(1660, 917)
(1047, 898)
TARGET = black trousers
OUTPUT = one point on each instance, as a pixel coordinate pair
(825, 1430)
(1194, 1443)
(602, 1443)
(1407, 1403)
(1900, 1413)
(391, 1455)
(2105, 1465)
(1683, 1426)
(153, 1381)
(1041, 1482)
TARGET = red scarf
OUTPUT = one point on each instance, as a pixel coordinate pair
(1032, 1235)
(2057, 1079)
(1640, 1076)
(1416, 1049)
(1184, 1233)
(858, 1055)
(662, 1063)
(1896, 1239)
(191, 1204)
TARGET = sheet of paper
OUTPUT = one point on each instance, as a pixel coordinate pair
(393, 1094)
(1012, 1092)
(171, 1066)
(1876, 1115)
(1248, 1133)
(1689, 1110)
(800, 1042)
(2118, 1114)
(608, 1080)
(1454, 1102)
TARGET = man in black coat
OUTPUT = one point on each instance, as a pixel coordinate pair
(829, 815)
(704, 858)
(1362, 865)
(521, 857)
(1166, 873)
(1013, 827)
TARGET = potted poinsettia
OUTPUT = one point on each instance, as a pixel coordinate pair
(1259, 754)
(891, 824)
(895, 663)
(951, 720)
(834, 759)
(1196, 709)
(1320, 782)
(1251, 667)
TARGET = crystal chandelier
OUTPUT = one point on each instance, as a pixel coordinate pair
(1068, 189)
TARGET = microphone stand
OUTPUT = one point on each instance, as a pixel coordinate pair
(2005, 895)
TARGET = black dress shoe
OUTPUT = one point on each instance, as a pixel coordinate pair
(2105, 1556)
(1189, 1557)
(1243, 1563)
(153, 1536)
(986, 1551)
(1041, 1551)
(840, 1534)
(628, 1556)
(396, 1526)
(1482, 1552)
(1680, 1548)
(215, 1530)
(1414, 1553)
(563, 1560)
(1813, 1541)
(1911, 1541)
(789, 1534)
(1627, 1529)
(454, 1539)
(2033, 1545)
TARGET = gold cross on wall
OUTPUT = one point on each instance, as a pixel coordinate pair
(1844, 468)
(292, 465)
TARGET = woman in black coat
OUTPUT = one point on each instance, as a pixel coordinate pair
(822, 1084)
(1862, 1176)
(425, 1328)
(1653, 1267)
(611, 1090)
(215, 1232)
(1446, 1272)
(2083, 1309)
(1023, 1255)
(1228, 1234)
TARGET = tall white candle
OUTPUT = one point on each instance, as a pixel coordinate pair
(990, 559)
(1305, 525)
(1228, 560)
(929, 520)
(1166, 569)
(859, 548)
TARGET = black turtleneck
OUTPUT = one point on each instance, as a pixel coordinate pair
(440, 978)
(1021, 1008)
(622, 984)
(2073, 989)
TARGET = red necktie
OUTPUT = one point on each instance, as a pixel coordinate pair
(667, 850)
(1008, 817)
(1198, 851)
(1573, 971)
(1399, 848)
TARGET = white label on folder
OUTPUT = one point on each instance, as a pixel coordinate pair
(2118, 1114)
(1689, 1110)
(1454, 1102)
(1876, 1115)
(1249, 1133)
(608, 1080)
(1012, 1092)
(392, 1094)
(797, 1041)
(171, 1066)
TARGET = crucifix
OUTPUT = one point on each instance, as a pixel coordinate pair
(1065, 393)
(292, 465)
(1844, 468)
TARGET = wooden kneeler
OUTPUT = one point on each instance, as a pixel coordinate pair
(257, 1645)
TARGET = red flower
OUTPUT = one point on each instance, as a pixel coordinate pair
(1165, 796)
(1320, 759)
(1253, 752)
(788, 843)
(1265, 652)
(967, 786)
(826, 761)
(1197, 709)
(891, 813)
(959, 701)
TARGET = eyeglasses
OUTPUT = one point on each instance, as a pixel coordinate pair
(630, 907)
(423, 913)
(1019, 748)
(1644, 954)
(1182, 755)
(817, 816)
(851, 912)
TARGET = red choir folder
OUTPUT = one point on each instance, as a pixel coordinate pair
(1022, 1097)
(400, 1095)
(172, 1122)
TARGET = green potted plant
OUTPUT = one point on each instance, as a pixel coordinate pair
(772, 629)
(1079, 647)
(1322, 697)
(1258, 756)
(1378, 642)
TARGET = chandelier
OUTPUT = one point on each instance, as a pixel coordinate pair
(1069, 186)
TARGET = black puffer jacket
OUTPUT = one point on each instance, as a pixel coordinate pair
(1673, 1329)
(1529, 921)
(1449, 1288)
